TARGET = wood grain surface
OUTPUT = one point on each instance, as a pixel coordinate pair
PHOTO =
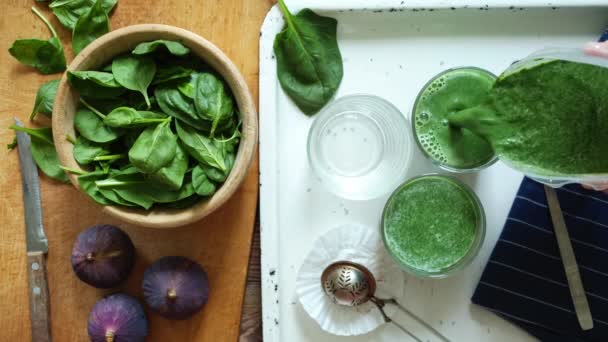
(251, 318)
(221, 242)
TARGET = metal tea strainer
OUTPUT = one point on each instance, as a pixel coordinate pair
(351, 284)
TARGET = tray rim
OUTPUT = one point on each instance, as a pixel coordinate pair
(345, 5)
(269, 92)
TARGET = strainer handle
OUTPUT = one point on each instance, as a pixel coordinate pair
(405, 331)
(380, 305)
(415, 317)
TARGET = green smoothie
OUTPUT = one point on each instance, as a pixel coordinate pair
(431, 223)
(451, 91)
(549, 119)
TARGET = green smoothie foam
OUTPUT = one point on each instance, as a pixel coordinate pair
(430, 223)
(450, 92)
(550, 119)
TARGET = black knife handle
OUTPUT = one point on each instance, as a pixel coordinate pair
(39, 297)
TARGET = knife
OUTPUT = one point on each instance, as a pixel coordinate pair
(577, 291)
(36, 242)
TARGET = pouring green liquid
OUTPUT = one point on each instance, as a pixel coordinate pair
(550, 119)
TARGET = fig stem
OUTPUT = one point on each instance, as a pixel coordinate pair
(171, 294)
(90, 256)
(110, 336)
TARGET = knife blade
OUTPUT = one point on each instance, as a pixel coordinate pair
(36, 241)
(575, 283)
(34, 232)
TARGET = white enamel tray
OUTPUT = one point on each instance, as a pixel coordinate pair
(391, 48)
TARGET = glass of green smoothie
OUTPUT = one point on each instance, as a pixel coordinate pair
(433, 225)
(449, 147)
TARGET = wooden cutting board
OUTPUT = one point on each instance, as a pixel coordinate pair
(221, 242)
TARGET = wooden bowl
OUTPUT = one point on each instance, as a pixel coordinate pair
(100, 52)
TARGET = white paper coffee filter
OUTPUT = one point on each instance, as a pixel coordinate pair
(359, 244)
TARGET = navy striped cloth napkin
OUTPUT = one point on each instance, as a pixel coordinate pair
(524, 280)
(604, 36)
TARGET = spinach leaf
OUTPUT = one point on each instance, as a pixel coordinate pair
(95, 84)
(88, 185)
(85, 151)
(230, 159)
(46, 158)
(45, 55)
(200, 147)
(69, 11)
(212, 101)
(170, 73)
(106, 105)
(229, 125)
(104, 166)
(134, 195)
(127, 117)
(130, 137)
(231, 143)
(107, 68)
(228, 148)
(70, 139)
(175, 104)
(174, 48)
(90, 26)
(217, 175)
(137, 102)
(44, 134)
(10, 146)
(134, 188)
(202, 185)
(164, 195)
(164, 59)
(112, 195)
(43, 151)
(45, 97)
(91, 126)
(214, 174)
(128, 185)
(183, 203)
(188, 88)
(173, 174)
(154, 148)
(188, 62)
(309, 63)
(134, 73)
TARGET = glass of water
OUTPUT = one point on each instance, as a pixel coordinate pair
(359, 147)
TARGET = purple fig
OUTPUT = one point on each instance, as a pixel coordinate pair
(103, 256)
(175, 287)
(117, 318)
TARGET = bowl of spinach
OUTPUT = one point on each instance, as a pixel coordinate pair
(155, 124)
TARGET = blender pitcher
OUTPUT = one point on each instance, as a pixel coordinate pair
(546, 55)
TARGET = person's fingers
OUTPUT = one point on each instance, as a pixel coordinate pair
(597, 49)
(601, 186)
